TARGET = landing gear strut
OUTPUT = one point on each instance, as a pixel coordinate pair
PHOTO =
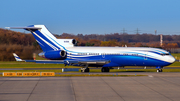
(105, 69)
(85, 69)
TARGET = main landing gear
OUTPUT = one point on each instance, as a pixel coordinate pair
(105, 69)
(85, 69)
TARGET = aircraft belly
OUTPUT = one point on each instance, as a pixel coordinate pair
(137, 61)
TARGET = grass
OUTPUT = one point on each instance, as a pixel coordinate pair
(94, 70)
(136, 70)
(31, 65)
(89, 75)
(96, 75)
(57, 71)
(175, 64)
(176, 55)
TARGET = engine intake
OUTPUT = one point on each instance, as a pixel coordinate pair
(63, 53)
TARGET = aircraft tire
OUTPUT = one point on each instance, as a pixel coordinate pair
(86, 70)
(159, 70)
(102, 69)
(105, 69)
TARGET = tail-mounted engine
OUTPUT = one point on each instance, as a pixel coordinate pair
(67, 42)
(54, 55)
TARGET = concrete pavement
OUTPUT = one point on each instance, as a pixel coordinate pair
(155, 87)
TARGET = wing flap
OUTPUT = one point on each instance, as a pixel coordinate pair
(98, 62)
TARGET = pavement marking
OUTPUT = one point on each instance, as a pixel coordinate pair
(72, 86)
(112, 89)
(5, 81)
(153, 90)
(33, 89)
(150, 76)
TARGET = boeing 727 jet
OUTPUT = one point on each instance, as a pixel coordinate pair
(63, 51)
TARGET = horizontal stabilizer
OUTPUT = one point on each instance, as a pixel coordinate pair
(17, 57)
(23, 28)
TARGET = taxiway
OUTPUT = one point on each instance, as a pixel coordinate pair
(154, 87)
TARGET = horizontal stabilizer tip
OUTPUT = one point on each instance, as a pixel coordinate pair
(17, 57)
(23, 27)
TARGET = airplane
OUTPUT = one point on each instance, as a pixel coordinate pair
(64, 51)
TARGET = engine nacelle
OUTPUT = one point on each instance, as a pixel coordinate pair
(54, 55)
(67, 42)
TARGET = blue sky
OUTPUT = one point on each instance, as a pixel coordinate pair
(93, 16)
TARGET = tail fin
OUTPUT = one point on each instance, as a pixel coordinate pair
(17, 57)
(46, 40)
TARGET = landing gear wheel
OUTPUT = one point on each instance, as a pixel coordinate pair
(105, 69)
(159, 70)
(87, 70)
(102, 69)
(84, 70)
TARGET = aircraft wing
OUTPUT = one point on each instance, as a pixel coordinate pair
(66, 62)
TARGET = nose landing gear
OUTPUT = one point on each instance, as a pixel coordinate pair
(159, 69)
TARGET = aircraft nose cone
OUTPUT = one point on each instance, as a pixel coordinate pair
(171, 59)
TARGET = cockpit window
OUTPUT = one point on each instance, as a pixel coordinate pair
(163, 54)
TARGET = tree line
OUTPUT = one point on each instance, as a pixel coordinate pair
(131, 40)
(16, 42)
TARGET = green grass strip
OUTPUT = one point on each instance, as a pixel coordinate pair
(96, 75)
(83, 75)
(95, 70)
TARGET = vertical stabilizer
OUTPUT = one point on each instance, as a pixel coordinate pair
(46, 40)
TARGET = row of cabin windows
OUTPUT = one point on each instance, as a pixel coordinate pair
(105, 54)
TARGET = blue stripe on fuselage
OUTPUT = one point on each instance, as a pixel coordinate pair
(127, 60)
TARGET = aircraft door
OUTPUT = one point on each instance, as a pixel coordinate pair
(103, 55)
(145, 55)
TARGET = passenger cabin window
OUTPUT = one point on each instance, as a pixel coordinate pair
(82, 53)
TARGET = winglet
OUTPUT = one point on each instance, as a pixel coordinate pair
(17, 57)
